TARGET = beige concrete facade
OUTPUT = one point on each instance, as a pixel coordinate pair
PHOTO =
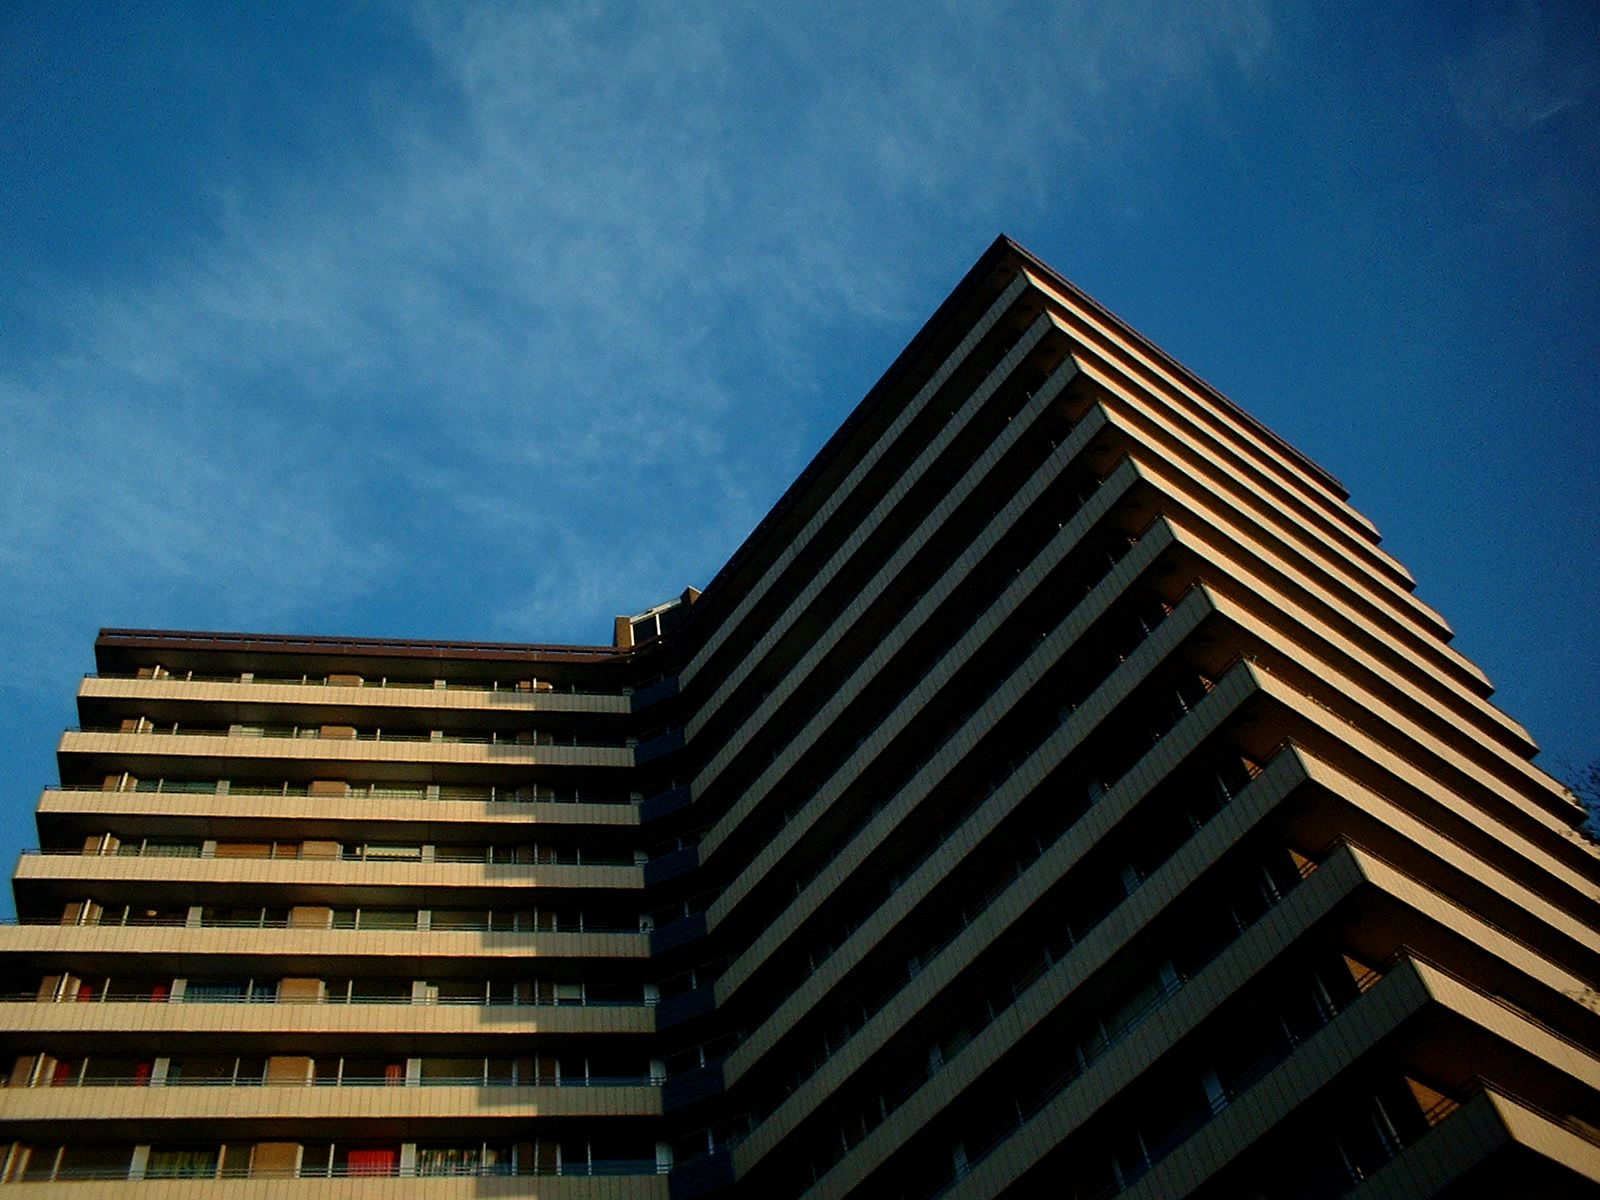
(1060, 793)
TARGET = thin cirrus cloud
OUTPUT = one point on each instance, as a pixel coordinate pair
(1512, 78)
(580, 296)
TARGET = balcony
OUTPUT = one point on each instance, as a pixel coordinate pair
(231, 1110)
(111, 751)
(217, 806)
(1508, 1143)
(588, 1181)
(45, 872)
(352, 692)
(180, 950)
(270, 1021)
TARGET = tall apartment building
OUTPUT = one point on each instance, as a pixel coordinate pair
(1059, 793)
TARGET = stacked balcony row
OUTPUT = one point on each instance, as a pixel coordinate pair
(1082, 599)
(334, 927)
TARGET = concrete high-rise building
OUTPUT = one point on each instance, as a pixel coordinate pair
(1060, 793)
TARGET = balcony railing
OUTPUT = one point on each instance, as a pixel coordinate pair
(178, 922)
(190, 998)
(341, 1171)
(1079, 1066)
(1072, 937)
(315, 733)
(362, 1081)
(284, 854)
(493, 687)
(1003, 1001)
(840, 845)
(471, 795)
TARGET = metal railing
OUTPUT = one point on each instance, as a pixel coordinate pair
(474, 795)
(285, 923)
(283, 854)
(493, 687)
(841, 845)
(313, 733)
(192, 998)
(970, 912)
(1033, 851)
(344, 1171)
(1247, 1078)
(360, 1081)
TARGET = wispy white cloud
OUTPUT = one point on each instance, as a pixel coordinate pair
(1518, 70)
(549, 336)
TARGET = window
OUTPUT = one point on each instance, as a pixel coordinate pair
(367, 1160)
(384, 852)
(464, 1160)
(245, 918)
(229, 991)
(95, 1162)
(452, 1071)
(153, 849)
(217, 1072)
(169, 1162)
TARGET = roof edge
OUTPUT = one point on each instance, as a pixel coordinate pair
(184, 639)
(1322, 475)
(1002, 246)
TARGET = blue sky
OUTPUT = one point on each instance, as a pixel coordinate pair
(492, 322)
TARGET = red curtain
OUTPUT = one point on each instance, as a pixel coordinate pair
(383, 1161)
